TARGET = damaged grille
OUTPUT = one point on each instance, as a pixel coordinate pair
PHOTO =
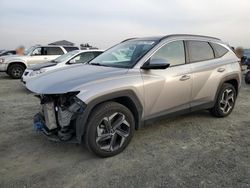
(61, 109)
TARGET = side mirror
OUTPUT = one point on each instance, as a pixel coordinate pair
(155, 64)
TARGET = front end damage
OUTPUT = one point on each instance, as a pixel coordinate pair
(57, 118)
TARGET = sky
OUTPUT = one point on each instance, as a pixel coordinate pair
(103, 23)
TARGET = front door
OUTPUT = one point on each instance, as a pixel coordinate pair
(37, 56)
(168, 90)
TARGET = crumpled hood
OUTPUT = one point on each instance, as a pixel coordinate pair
(42, 65)
(71, 78)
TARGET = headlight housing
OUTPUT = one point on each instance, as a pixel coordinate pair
(1, 60)
(37, 72)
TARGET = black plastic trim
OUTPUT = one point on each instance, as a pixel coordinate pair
(81, 121)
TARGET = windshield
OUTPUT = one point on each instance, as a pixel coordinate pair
(124, 55)
(29, 51)
(65, 57)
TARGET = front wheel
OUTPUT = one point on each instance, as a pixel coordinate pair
(225, 101)
(109, 130)
(16, 71)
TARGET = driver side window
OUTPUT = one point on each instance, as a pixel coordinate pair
(37, 51)
(172, 52)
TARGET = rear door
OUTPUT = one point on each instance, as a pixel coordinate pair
(207, 71)
(52, 52)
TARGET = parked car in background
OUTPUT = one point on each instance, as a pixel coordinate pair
(247, 53)
(14, 65)
(7, 52)
(246, 67)
(139, 80)
(75, 57)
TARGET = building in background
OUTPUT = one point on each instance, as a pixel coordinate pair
(62, 43)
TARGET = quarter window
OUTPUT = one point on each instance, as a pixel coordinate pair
(172, 52)
(199, 51)
(219, 50)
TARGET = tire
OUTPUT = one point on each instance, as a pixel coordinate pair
(16, 71)
(104, 136)
(225, 101)
(247, 77)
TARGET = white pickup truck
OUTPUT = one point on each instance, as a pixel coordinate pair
(14, 65)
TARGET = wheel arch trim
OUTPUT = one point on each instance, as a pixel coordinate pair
(225, 80)
(81, 121)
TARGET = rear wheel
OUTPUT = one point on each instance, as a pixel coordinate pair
(16, 71)
(225, 101)
(109, 130)
(247, 77)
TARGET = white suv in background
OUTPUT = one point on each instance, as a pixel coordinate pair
(14, 65)
(75, 57)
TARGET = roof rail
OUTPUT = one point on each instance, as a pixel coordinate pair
(128, 39)
(187, 35)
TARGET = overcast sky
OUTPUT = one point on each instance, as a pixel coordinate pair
(105, 22)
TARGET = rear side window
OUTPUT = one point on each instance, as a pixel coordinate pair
(53, 51)
(219, 50)
(199, 51)
(69, 49)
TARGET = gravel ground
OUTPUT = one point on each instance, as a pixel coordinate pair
(194, 150)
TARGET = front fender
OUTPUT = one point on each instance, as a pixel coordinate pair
(82, 120)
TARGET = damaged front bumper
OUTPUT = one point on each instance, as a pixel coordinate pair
(57, 117)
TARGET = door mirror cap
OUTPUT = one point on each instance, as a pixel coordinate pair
(155, 64)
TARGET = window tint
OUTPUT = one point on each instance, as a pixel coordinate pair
(219, 50)
(172, 52)
(199, 51)
(69, 49)
(53, 51)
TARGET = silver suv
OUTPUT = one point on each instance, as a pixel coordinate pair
(14, 65)
(132, 83)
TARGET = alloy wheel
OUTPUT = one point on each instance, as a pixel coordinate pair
(227, 101)
(112, 132)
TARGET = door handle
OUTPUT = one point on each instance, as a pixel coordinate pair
(184, 77)
(45, 58)
(221, 70)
